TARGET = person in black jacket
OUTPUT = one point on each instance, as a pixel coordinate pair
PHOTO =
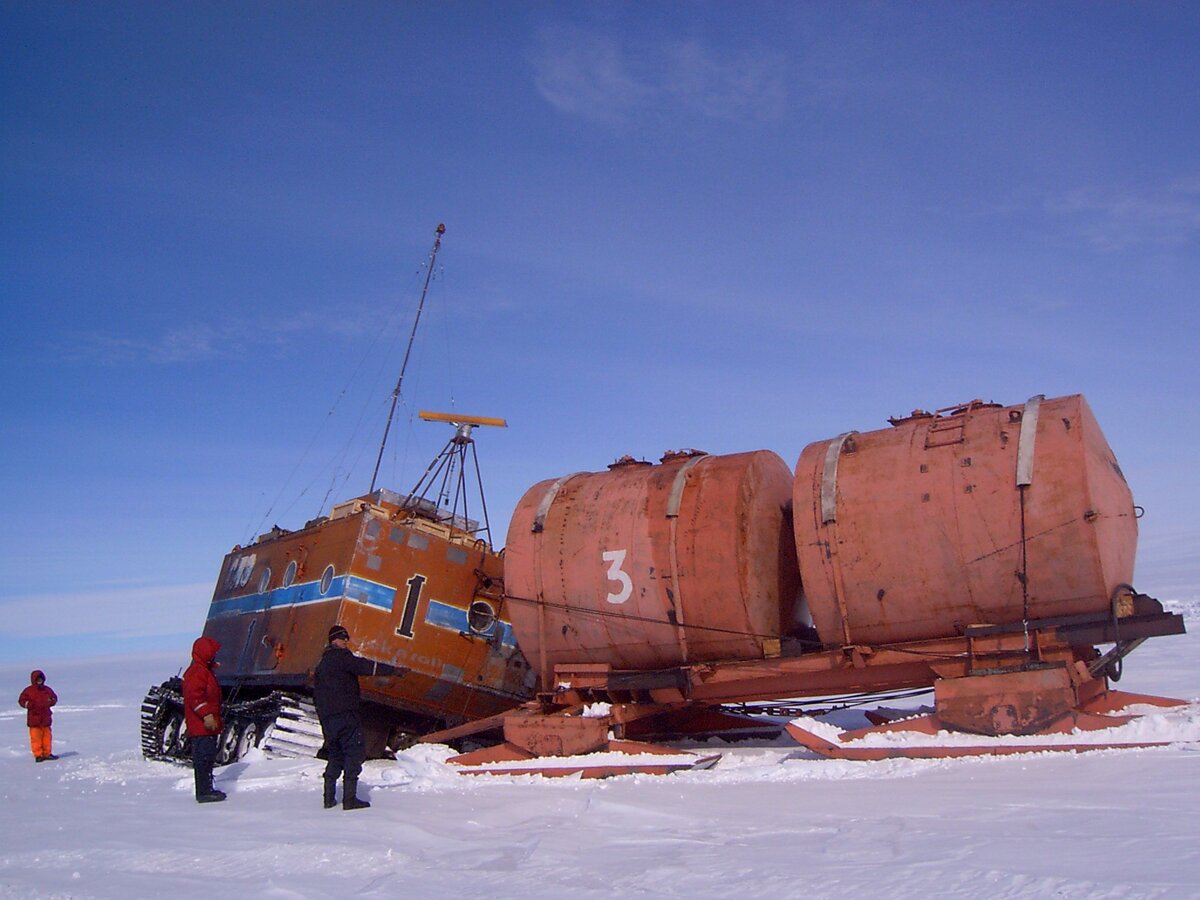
(337, 697)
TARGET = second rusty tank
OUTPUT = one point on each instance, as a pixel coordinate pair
(975, 514)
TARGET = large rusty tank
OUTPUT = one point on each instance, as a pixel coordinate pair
(979, 514)
(647, 566)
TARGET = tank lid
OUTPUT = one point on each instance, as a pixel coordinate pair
(684, 453)
(915, 414)
(628, 460)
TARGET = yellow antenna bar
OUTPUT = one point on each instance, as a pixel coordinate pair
(457, 419)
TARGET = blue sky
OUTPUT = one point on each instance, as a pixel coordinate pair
(724, 226)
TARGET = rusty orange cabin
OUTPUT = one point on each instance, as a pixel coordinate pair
(414, 587)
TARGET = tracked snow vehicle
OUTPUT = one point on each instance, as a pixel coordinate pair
(413, 578)
(413, 588)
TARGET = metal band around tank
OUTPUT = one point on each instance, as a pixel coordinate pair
(1029, 423)
(829, 477)
(676, 497)
(539, 520)
(674, 500)
(539, 524)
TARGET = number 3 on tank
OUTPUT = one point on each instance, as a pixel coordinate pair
(615, 573)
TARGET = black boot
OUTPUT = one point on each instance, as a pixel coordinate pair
(203, 781)
(205, 792)
(350, 795)
(330, 792)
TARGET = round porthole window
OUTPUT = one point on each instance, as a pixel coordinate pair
(481, 618)
(264, 580)
(326, 579)
(289, 574)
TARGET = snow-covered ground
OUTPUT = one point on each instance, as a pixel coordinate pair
(768, 821)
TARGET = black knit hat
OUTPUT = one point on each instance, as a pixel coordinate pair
(338, 633)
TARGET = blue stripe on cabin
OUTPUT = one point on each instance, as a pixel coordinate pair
(343, 587)
(454, 618)
(371, 592)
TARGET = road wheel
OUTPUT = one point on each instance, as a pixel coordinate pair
(227, 744)
(248, 739)
(173, 736)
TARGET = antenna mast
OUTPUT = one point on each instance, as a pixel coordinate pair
(437, 243)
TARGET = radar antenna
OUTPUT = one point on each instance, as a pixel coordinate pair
(448, 473)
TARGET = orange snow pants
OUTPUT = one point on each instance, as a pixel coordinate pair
(39, 741)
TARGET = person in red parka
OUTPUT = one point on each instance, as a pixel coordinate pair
(37, 700)
(202, 713)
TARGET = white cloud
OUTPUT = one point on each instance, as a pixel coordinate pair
(748, 87)
(197, 342)
(188, 344)
(602, 79)
(1117, 218)
(585, 75)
